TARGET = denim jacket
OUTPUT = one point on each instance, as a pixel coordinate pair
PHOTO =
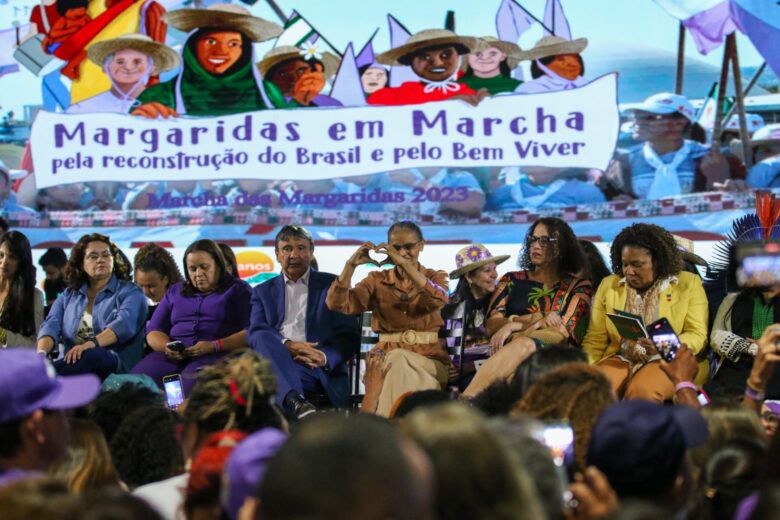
(120, 306)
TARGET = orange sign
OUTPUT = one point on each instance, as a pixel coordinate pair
(252, 263)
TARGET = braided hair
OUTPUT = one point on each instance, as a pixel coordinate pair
(235, 393)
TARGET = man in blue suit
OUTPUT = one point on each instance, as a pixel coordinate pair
(291, 326)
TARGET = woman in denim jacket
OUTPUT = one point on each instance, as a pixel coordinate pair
(99, 318)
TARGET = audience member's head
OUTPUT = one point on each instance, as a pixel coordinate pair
(109, 408)
(235, 393)
(730, 474)
(201, 498)
(577, 393)
(596, 269)
(77, 275)
(34, 429)
(36, 498)
(640, 447)
(726, 420)
(246, 468)
(353, 468)
(205, 267)
(500, 397)
(53, 263)
(155, 270)
(87, 467)
(415, 400)
(536, 460)
(476, 474)
(145, 447)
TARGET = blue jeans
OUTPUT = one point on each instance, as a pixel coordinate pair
(99, 361)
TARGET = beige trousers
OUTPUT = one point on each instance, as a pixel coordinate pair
(410, 372)
(501, 365)
(649, 382)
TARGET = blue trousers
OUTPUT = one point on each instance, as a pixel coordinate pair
(99, 361)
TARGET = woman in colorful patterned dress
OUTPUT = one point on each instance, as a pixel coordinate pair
(546, 302)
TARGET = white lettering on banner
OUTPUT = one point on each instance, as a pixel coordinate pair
(570, 128)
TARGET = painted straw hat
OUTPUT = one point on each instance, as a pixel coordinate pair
(553, 46)
(164, 57)
(285, 52)
(425, 39)
(514, 54)
(473, 257)
(685, 246)
(223, 16)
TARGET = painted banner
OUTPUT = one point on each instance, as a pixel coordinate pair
(570, 128)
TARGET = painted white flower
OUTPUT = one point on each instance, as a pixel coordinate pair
(311, 51)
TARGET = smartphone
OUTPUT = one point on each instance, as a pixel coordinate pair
(758, 263)
(174, 393)
(665, 339)
(176, 346)
(703, 398)
(558, 436)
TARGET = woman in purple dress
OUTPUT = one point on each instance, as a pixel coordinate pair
(208, 313)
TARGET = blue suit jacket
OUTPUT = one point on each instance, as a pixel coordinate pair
(338, 334)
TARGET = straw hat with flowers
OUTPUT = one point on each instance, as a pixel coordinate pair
(473, 257)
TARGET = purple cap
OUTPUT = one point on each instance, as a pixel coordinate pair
(774, 406)
(246, 467)
(640, 445)
(29, 382)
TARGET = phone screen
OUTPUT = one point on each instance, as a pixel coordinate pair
(759, 264)
(666, 341)
(174, 394)
(176, 346)
(559, 437)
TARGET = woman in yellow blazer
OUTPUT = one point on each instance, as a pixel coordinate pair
(649, 282)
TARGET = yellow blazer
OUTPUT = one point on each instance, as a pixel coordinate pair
(683, 303)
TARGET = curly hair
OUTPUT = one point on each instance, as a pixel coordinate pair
(667, 260)
(75, 276)
(153, 257)
(566, 248)
(236, 392)
(211, 248)
(145, 447)
(18, 313)
(576, 392)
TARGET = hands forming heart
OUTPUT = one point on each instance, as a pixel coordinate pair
(362, 255)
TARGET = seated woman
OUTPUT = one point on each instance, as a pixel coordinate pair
(100, 316)
(208, 313)
(546, 302)
(476, 275)
(650, 283)
(405, 301)
(21, 304)
(155, 271)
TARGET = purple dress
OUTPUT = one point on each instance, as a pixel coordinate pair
(195, 318)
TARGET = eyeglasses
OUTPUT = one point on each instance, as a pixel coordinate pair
(408, 247)
(769, 417)
(655, 117)
(543, 241)
(92, 257)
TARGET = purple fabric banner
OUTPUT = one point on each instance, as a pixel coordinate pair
(709, 28)
(556, 20)
(512, 21)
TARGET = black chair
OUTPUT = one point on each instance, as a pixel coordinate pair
(454, 315)
(357, 365)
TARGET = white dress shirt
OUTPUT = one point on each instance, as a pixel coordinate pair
(296, 297)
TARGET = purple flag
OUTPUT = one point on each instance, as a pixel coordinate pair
(512, 20)
(760, 21)
(710, 27)
(346, 85)
(556, 20)
(398, 36)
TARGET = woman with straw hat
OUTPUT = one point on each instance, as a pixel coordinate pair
(556, 65)
(492, 68)
(300, 73)
(435, 57)
(476, 275)
(218, 75)
(128, 61)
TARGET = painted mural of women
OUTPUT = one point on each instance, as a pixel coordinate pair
(556, 65)
(492, 68)
(218, 75)
(128, 61)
